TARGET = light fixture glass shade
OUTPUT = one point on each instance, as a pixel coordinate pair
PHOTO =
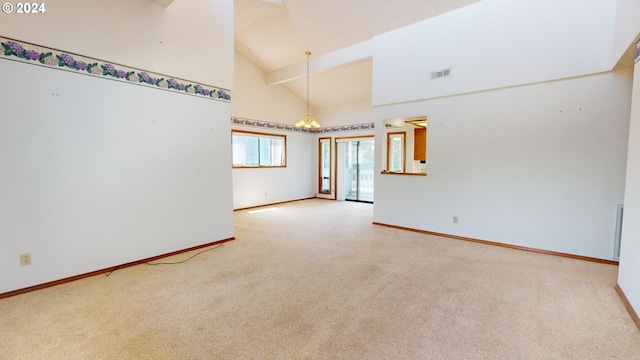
(307, 121)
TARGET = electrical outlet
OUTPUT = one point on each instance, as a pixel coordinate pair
(455, 219)
(265, 194)
(25, 259)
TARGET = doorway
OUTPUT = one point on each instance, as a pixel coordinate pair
(355, 169)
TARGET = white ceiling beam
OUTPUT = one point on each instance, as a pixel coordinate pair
(164, 3)
(342, 57)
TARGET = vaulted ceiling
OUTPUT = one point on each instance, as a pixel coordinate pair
(274, 35)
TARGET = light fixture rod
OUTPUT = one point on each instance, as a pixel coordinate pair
(308, 53)
(307, 121)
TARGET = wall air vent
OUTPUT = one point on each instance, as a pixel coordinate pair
(440, 73)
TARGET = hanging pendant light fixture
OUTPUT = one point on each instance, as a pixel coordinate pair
(307, 121)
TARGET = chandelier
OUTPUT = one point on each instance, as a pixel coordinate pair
(307, 121)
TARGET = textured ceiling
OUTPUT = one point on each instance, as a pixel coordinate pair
(274, 36)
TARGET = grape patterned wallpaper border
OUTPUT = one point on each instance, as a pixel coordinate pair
(29, 53)
(39, 55)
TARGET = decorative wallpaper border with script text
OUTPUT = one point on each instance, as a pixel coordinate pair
(39, 55)
(285, 127)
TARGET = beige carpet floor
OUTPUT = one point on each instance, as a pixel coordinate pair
(316, 280)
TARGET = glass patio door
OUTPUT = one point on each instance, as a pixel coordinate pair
(358, 170)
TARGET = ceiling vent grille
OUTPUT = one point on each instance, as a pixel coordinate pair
(440, 73)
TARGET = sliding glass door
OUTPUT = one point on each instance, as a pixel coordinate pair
(358, 170)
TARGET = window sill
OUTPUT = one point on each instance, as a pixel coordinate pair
(384, 172)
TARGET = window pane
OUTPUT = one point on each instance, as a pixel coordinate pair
(255, 149)
(277, 152)
(265, 152)
(325, 166)
(366, 154)
(238, 150)
(396, 152)
(251, 149)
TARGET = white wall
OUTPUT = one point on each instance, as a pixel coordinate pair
(629, 271)
(254, 187)
(254, 99)
(493, 44)
(627, 27)
(348, 114)
(299, 180)
(540, 165)
(189, 39)
(105, 173)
